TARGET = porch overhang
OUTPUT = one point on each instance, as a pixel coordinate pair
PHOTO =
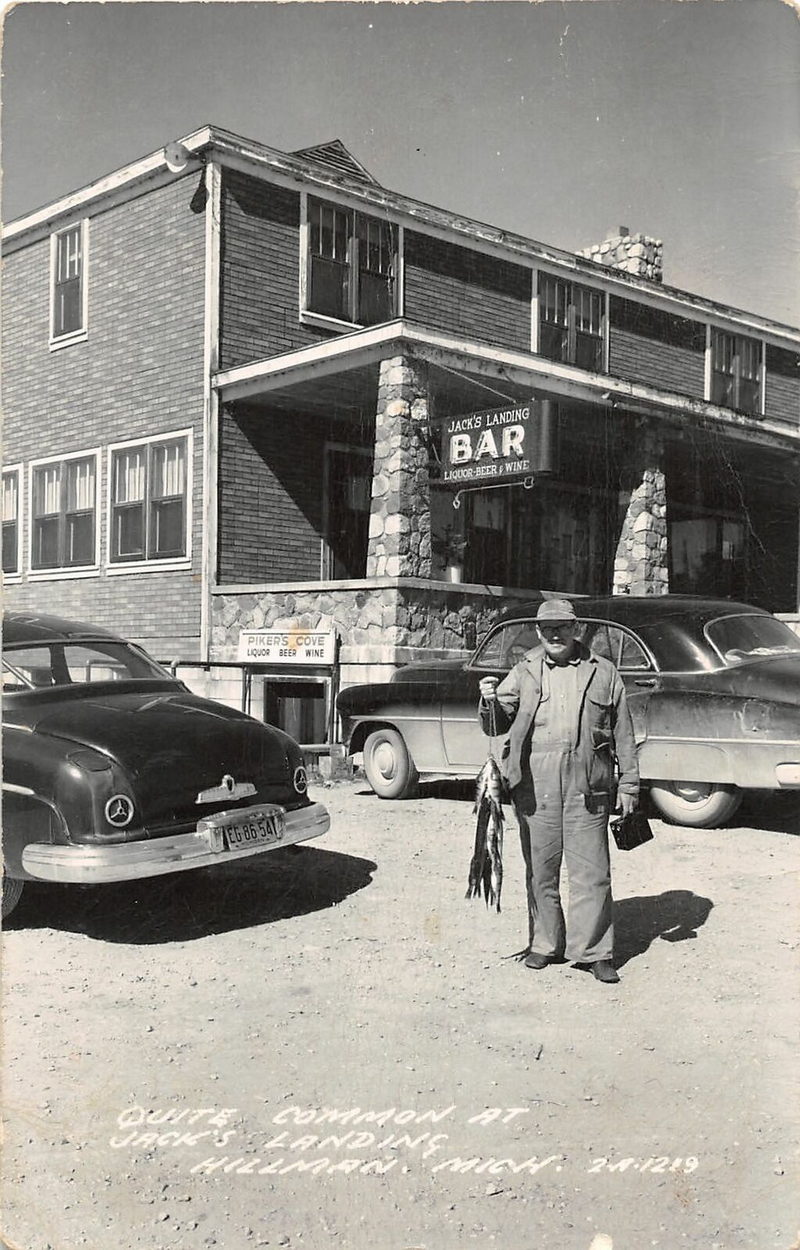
(362, 350)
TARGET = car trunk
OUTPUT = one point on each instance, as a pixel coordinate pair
(174, 745)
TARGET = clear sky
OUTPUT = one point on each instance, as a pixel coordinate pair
(557, 120)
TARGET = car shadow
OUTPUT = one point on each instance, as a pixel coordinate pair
(184, 906)
(770, 812)
(674, 916)
(444, 788)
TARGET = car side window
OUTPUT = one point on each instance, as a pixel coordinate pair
(26, 668)
(507, 645)
(69, 664)
(616, 644)
(89, 664)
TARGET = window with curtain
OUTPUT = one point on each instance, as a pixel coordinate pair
(149, 501)
(736, 371)
(351, 264)
(63, 513)
(571, 323)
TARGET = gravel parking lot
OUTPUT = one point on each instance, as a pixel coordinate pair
(331, 1047)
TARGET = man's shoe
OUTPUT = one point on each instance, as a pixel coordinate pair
(537, 962)
(604, 970)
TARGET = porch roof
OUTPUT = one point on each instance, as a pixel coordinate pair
(341, 374)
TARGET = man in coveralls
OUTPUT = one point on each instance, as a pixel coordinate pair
(568, 718)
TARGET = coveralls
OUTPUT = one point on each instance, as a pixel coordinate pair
(567, 722)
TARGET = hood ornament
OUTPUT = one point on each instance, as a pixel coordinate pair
(228, 788)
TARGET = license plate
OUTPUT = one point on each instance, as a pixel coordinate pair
(256, 831)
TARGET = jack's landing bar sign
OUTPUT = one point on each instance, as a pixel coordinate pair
(500, 444)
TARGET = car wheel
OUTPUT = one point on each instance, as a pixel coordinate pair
(12, 889)
(389, 767)
(698, 804)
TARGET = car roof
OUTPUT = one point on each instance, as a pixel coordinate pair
(672, 626)
(642, 609)
(33, 627)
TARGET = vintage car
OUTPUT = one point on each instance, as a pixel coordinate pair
(113, 770)
(713, 687)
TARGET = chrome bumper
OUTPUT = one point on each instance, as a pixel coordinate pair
(128, 861)
(787, 776)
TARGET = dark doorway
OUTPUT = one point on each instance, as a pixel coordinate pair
(348, 489)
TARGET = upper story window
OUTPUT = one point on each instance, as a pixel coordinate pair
(149, 500)
(571, 323)
(68, 284)
(64, 512)
(11, 521)
(351, 265)
(736, 367)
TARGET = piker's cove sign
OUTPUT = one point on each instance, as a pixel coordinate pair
(497, 444)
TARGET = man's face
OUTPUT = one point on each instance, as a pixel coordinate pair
(558, 638)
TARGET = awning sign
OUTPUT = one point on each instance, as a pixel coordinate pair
(289, 646)
(495, 444)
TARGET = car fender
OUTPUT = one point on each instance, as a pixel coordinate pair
(421, 733)
(71, 782)
(673, 760)
(27, 817)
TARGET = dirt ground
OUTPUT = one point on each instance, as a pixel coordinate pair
(332, 1048)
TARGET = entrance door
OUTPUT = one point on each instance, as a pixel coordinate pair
(348, 489)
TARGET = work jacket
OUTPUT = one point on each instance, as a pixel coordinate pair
(603, 733)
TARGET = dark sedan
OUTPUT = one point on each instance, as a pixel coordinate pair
(713, 687)
(113, 770)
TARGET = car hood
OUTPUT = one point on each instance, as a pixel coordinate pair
(172, 744)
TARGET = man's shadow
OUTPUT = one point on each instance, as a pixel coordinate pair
(674, 916)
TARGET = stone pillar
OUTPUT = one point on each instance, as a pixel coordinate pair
(640, 566)
(400, 518)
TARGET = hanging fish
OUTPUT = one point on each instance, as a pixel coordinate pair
(486, 869)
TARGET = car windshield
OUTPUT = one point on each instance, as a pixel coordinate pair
(751, 637)
(75, 663)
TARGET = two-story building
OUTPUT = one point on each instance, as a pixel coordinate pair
(225, 374)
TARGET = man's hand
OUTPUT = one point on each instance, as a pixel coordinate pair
(488, 688)
(629, 803)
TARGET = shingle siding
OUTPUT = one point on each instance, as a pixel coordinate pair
(138, 373)
(641, 359)
(464, 292)
(783, 385)
(260, 272)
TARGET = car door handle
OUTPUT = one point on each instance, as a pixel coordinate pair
(649, 682)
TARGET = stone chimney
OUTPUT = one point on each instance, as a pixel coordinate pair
(635, 253)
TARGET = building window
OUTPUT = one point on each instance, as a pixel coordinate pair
(149, 501)
(570, 323)
(736, 371)
(63, 513)
(351, 265)
(11, 526)
(68, 267)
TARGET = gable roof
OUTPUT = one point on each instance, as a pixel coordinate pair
(336, 156)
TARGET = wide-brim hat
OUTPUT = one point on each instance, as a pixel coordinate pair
(556, 611)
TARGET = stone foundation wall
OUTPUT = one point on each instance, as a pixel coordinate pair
(380, 626)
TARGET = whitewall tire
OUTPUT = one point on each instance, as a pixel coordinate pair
(698, 804)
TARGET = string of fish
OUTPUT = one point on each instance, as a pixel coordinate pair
(486, 867)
